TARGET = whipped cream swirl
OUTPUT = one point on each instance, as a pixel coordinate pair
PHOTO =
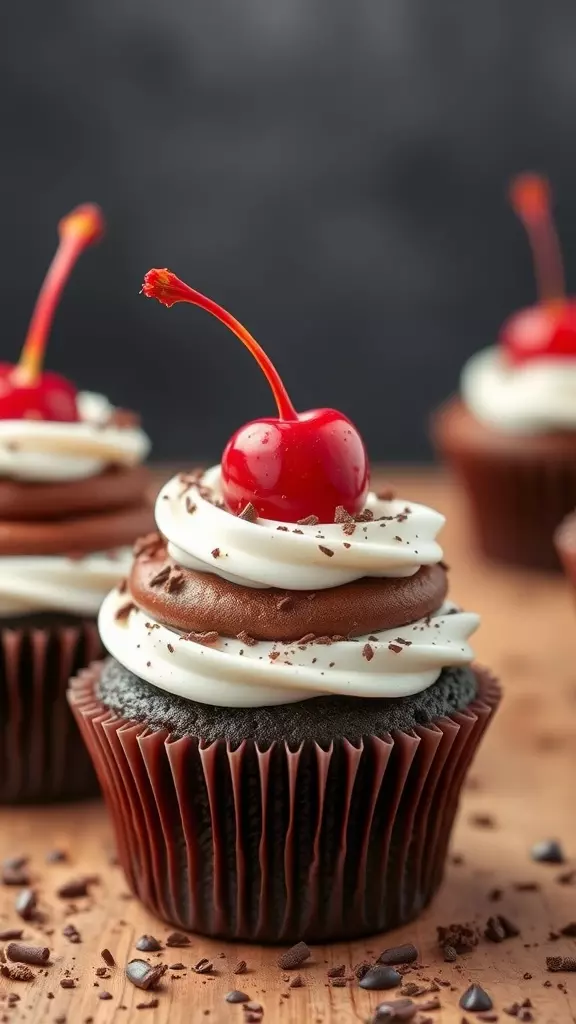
(232, 673)
(242, 672)
(29, 585)
(535, 397)
(396, 542)
(41, 452)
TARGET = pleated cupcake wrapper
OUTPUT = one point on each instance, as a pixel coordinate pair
(42, 755)
(516, 504)
(280, 844)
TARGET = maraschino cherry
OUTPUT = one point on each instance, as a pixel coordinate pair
(548, 329)
(291, 466)
(26, 392)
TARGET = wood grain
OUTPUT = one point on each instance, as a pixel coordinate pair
(524, 779)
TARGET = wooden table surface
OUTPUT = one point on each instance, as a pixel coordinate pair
(524, 779)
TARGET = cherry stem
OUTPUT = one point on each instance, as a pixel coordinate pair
(79, 229)
(531, 200)
(169, 289)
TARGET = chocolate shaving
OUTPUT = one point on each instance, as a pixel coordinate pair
(203, 966)
(395, 648)
(245, 638)
(143, 975)
(17, 972)
(67, 983)
(561, 963)
(215, 552)
(25, 904)
(405, 954)
(189, 505)
(326, 551)
(241, 967)
(368, 652)
(293, 957)
(308, 521)
(364, 517)
(71, 933)
(249, 513)
(283, 603)
(336, 972)
(174, 582)
(177, 939)
(349, 528)
(306, 639)
(161, 576)
(124, 612)
(74, 889)
(207, 639)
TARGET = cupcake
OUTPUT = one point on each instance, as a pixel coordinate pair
(511, 436)
(73, 497)
(289, 709)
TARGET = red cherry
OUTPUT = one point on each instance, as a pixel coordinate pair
(546, 330)
(26, 392)
(291, 466)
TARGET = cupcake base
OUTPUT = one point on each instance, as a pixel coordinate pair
(42, 756)
(276, 841)
(519, 487)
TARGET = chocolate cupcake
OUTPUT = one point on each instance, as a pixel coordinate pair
(511, 437)
(289, 710)
(73, 496)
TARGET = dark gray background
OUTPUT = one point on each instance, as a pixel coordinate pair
(334, 171)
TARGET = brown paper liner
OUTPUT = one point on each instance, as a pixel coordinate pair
(42, 756)
(276, 844)
(519, 488)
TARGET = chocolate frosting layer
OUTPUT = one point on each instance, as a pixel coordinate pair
(200, 602)
(117, 487)
(76, 536)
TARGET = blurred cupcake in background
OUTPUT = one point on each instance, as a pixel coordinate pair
(289, 711)
(73, 497)
(511, 436)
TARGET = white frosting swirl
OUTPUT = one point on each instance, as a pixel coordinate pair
(534, 397)
(267, 553)
(32, 584)
(401, 661)
(40, 451)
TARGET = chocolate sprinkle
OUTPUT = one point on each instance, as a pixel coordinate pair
(11, 933)
(148, 944)
(67, 983)
(36, 955)
(104, 995)
(405, 954)
(380, 977)
(293, 957)
(548, 851)
(108, 958)
(15, 874)
(476, 1000)
(123, 613)
(161, 576)
(143, 975)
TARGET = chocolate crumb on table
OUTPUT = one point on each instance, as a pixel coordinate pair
(177, 939)
(293, 957)
(108, 958)
(405, 954)
(17, 972)
(241, 967)
(26, 904)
